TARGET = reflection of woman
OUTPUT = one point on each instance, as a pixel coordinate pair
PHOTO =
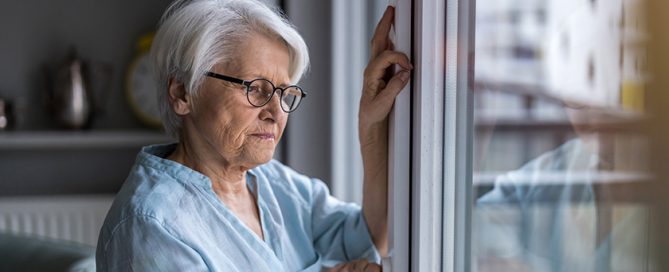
(216, 200)
(526, 215)
(544, 215)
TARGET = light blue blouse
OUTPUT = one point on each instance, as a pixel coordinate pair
(166, 217)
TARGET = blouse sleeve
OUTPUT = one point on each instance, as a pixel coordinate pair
(339, 229)
(142, 243)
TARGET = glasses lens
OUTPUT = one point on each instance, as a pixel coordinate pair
(291, 98)
(260, 91)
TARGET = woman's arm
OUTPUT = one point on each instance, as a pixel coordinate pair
(380, 87)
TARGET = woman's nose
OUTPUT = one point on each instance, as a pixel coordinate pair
(273, 107)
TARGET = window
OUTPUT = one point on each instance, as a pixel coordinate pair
(350, 48)
(559, 162)
(527, 150)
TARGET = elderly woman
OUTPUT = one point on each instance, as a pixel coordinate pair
(216, 201)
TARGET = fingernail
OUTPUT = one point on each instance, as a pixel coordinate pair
(404, 75)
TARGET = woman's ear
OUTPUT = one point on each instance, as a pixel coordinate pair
(179, 98)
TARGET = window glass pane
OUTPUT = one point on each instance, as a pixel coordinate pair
(560, 162)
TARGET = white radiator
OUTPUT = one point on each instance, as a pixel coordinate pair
(73, 218)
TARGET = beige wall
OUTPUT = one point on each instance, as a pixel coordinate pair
(658, 97)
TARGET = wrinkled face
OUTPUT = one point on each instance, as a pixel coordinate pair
(224, 120)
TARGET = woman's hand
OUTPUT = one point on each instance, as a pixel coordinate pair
(379, 90)
(380, 85)
(356, 266)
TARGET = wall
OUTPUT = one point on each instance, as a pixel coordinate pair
(39, 33)
(308, 134)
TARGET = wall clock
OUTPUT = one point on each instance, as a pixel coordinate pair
(141, 89)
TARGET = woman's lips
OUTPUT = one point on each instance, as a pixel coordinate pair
(264, 136)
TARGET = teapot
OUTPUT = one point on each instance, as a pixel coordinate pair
(70, 95)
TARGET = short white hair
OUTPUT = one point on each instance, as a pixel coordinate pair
(195, 35)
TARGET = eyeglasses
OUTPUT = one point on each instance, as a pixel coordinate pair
(260, 91)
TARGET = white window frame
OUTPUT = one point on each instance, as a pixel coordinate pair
(349, 58)
(399, 160)
(428, 136)
(440, 118)
(353, 24)
(458, 135)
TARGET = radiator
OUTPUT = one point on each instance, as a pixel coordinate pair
(72, 218)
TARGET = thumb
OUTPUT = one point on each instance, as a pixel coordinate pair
(395, 86)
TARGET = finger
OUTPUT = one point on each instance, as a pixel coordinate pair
(394, 87)
(377, 67)
(380, 38)
(372, 88)
(359, 265)
(373, 268)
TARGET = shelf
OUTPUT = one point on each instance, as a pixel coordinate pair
(80, 139)
(602, 126)
(551, 187)
(562, 177)
(602, 115)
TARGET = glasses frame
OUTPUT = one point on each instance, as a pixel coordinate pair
(247, 84)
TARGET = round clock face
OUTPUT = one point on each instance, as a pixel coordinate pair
(142, 92)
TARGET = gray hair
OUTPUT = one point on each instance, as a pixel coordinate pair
(195, 35)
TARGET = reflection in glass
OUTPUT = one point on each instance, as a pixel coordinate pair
(560, 164)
